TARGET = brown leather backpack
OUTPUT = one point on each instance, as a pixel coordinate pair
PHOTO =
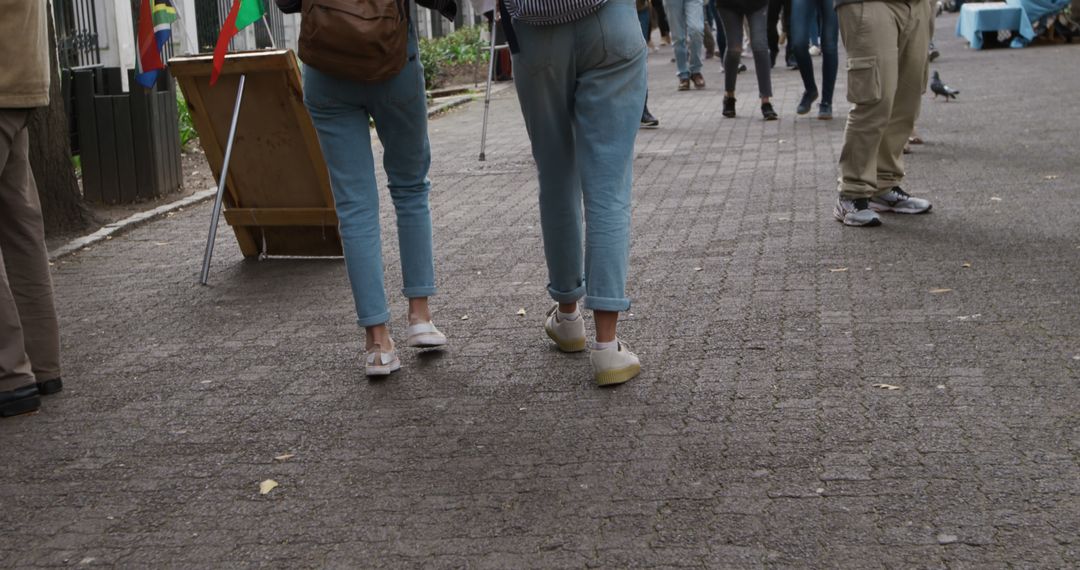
(363, 40)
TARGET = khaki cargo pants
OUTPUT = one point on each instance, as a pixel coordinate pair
(29, 335)
(887, 44)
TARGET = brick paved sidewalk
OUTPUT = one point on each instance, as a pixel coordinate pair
(754, 438)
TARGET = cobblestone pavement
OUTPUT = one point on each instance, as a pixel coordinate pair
(755, 436)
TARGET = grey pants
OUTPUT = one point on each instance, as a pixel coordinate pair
(29, 336)
(759, 44)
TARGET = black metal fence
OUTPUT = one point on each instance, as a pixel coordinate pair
(76, 33)
(211, 14)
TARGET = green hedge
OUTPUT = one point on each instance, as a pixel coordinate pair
(438, 55)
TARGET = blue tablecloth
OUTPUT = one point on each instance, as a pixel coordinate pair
(991, 17)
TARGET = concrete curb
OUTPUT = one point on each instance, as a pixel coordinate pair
(128, 223)
(143, 217)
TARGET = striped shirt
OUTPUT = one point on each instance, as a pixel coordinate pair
(550, 12)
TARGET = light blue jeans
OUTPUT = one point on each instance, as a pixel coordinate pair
(582, 87)
(687, 21)
(340, 110)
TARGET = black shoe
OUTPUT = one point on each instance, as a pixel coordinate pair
(50, 386)
(729, 107)
(768, 112)
(648, 121)
(791, 63)
(19, 401)
(742, 67)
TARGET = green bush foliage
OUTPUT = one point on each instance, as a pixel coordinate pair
(187, 130)
(463, 47)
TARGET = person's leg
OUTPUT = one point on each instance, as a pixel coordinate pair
(910, 85)
(759, 46)
(545, 85)
(21, 270)
(789, 51)
(708, 41)
(732, 22)
(802, 14)
(401, 121)
(774, 32)
(830, 59)
(676, 12)
(695, 33)
(338, 112)
(718, 28)
(643, 19)
(610, 87)
(662, 20)
(870, 34)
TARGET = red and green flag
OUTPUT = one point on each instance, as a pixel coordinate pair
(243, 14)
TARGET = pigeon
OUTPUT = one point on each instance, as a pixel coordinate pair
(940, 88)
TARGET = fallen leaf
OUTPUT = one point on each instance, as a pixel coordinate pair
(267, 486)
(886, 386)
(940, 291)
(285, 456)
(995, 199)
(521, 312)
(464, 317)
(697, 269)
(838, 270)
(965, 265)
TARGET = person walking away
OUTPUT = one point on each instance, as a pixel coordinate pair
(341, 108)
(887, 69)
(804, 15)
(687, 19)
(732, 14)
(583, 89)
(29, 330)
(644, 9)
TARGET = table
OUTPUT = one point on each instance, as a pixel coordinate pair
(991, 17)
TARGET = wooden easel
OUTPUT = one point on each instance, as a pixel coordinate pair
(255, 129)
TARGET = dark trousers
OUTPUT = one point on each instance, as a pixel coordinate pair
(775, 7)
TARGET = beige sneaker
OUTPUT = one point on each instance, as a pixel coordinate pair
(380, 363)
(424, 335)
(568, 335)
(614, 365)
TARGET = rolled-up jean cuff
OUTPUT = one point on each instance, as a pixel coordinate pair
(607, 304)
(379, 319)
(417, 292)
(566, 296)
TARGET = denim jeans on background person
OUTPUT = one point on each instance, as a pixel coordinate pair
(581, 87)
(340, 110)
(643, 19)
(712, 18)
(803, 15)
(687, 20)
(759, 45)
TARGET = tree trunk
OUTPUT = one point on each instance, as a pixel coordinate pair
(50, 157)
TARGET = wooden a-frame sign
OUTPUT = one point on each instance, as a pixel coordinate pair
(277, 193)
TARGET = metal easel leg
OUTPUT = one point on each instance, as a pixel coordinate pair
(221, 185)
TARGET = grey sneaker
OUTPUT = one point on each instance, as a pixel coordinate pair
(896, 200)
(855, 212)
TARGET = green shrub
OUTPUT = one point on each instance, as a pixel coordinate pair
(187, 130)
(463, 47)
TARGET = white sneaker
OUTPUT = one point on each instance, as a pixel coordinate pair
(569, 335)
(380, 363)
(614, 365)
(424, 335)
(814, 50)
